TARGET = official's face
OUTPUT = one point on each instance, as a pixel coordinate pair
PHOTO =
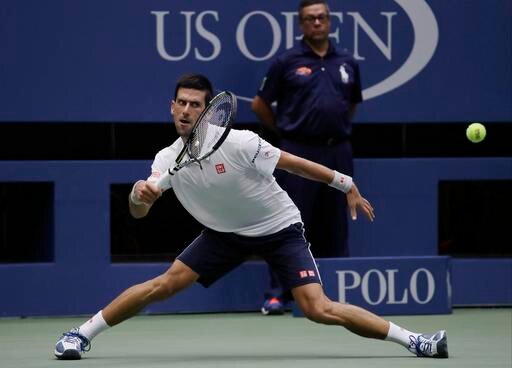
(315, 22)
(186, 109)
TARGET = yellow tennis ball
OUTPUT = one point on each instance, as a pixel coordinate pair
(475, 132)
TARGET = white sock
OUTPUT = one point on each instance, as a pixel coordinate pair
(93, 326)
(400, 335)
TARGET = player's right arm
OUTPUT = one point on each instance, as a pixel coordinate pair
(145, 192)
(143, 195)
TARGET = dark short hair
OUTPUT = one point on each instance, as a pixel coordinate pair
(195, 81)
(305, 3)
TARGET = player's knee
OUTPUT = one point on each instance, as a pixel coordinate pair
(165, 286)
(317, 311)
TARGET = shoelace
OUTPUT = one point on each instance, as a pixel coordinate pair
(74, 337)
(421, 345)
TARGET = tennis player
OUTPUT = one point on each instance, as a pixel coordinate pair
(234, 195)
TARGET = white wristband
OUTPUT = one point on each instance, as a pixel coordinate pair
(164, 181)
(341, 182)
(133, 198)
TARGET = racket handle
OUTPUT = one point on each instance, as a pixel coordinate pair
(164, 182)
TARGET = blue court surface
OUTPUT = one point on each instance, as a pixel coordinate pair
(476, 338)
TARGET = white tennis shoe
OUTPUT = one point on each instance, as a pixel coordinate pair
(72, 345)
(433, 346)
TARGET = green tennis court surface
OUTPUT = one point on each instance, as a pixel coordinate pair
(476, 338)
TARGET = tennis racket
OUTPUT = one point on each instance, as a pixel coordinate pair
(209, 132)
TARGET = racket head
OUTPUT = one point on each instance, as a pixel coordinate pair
(212, 126)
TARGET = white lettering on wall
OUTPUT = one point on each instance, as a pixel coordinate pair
(382, 289)
(209, 36)
(336, 33)
(377, 287)
(343, 286)
(424, 28)
(426, 36)
(360, 23)
(392, 289)
(241, 41)
(431, 286)
(289, 21)
(198, 27)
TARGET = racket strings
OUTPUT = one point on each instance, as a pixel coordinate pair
(211, 126)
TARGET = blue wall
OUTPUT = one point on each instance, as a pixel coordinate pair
(405, 195)
(116, 61)
(97, 61)
(81, 279)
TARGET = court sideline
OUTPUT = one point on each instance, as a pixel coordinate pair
(477, 338)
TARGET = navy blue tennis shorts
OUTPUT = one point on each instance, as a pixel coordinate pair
(213, 254)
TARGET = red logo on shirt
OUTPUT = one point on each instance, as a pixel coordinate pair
(220, 168)
(303, 70)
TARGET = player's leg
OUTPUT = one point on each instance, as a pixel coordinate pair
(205, 260)
(292, 260)
(319, 308)
(208, 258)
(178, 277)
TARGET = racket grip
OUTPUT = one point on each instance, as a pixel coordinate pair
(164, 182)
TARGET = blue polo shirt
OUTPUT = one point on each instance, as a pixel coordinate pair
(313, 93)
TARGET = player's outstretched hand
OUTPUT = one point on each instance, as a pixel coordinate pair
(357, 202)
(147, 192)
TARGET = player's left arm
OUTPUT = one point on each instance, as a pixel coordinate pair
(314, 171)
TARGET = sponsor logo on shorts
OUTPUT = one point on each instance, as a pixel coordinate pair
(306, 273)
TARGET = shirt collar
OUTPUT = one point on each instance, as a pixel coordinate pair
(307, 49)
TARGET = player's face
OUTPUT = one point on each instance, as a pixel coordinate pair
(186, 109)
(315, 23)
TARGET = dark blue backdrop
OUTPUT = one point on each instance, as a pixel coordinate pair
(81, 277)
(117, 60)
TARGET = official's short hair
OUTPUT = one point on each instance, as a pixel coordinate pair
(305, 3)
(195, 81)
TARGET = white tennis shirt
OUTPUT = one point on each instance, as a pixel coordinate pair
(235, 190)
